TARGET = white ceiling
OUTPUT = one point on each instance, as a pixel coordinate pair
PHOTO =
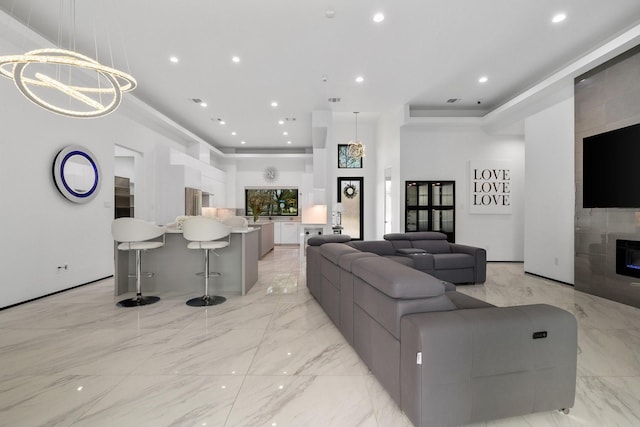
(423, 53)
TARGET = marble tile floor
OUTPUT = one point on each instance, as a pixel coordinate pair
(270, 358)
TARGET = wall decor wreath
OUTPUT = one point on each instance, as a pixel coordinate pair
(350, 191)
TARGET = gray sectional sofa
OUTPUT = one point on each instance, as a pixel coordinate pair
(446, 358)
(430, 252)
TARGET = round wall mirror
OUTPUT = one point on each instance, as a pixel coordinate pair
(76, 174)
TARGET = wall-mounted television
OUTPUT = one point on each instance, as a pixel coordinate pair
(611, 169)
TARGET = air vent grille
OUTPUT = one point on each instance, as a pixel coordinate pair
(334, 99)
(197, 100)
(452, 100)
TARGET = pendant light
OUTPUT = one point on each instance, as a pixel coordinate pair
(356, 147)
(95, 91)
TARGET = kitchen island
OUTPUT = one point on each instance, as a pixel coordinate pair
(175, 267)
(265, 238)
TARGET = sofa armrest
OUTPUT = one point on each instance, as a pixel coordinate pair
(465, 249)
(328, 238)
(423, 261)
(465, 366)
(480, 255)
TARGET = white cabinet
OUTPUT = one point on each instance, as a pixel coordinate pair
(276, 232)
(286, 233)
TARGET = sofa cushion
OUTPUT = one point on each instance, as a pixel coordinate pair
(333, 251)
(379, 247)
(463, 301)
(396, 280)
(410, 251)
(416, 235)
(401, 260)
(432, 246)
(388, 311)
(401, 244)
(453, 261)
(346, 260)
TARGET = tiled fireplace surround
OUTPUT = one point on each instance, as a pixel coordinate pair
(606, 98)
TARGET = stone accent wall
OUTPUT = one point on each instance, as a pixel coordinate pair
(606, 98)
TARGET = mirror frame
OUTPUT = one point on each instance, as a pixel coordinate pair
(58, 174)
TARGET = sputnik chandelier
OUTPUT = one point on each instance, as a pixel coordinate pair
(356, 147)
(38, 75)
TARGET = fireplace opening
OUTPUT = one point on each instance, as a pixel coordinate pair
(628, 258)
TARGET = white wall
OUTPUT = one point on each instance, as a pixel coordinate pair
(550, 193)
(443, 153)
(291, 173)
(41, 229)
(387, 150)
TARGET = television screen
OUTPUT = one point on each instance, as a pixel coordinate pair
(611, 169)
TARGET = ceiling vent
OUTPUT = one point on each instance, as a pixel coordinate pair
(289, 119)
(334, 99)
(453, 100)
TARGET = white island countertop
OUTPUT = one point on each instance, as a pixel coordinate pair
(175, 230)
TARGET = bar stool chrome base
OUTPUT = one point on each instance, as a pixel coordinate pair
(137, 235)
(138, 301)
(203, 234)
(206, 300)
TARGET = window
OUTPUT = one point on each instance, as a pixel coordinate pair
(272, 202)
(345, 161)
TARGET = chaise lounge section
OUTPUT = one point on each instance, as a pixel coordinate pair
(446, 358)
(430, 252)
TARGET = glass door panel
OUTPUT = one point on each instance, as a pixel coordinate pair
(350, 195)
(430, 206)
(412, 220)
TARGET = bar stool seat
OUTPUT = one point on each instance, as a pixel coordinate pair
(237, 222)
(135, 235)
(205, 233)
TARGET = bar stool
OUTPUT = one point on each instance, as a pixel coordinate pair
(134, 235)
(204, 233)
(236, 222)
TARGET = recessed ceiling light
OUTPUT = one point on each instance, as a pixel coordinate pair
(235, 59)
(285, 133)
(359, 79)
(280, 122)
(222, 122)
(274, 104)
(330, 13)
(483, 79)
(288, 142)
(174, 59)
(378, 17)
(233, 134)
(243, 142)
(559, 18)
(203, 104)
